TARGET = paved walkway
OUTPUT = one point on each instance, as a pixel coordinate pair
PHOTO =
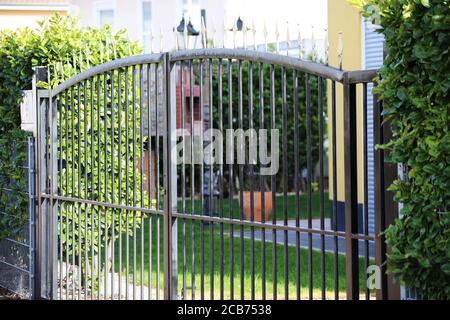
(304, 238)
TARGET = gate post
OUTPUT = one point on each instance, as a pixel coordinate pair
(351, 192)
(170, 173)
(386, 209)
(46, 213)
(40, 74)
(52, 212)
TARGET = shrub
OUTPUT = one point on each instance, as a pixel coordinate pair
(67, 49)
(290, 119)
(414, 83)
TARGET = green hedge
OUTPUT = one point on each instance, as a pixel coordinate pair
(58, 42)
(415, 83)
(290, 119)
(13, 183)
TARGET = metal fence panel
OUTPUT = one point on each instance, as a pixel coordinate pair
(17, 253)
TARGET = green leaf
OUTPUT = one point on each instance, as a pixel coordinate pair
(425, 3)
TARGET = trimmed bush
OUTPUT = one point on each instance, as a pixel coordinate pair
(66, 50)
(414, 83)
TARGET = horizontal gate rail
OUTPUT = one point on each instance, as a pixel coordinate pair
(102, 204)
(271, 226)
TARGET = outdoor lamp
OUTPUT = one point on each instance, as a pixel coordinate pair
(240, 30)
(185, 33)
(240, 25)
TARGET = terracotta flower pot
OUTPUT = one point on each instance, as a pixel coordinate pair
(257, 214)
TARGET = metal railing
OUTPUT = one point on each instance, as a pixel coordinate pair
(127, 222)
(17, 253)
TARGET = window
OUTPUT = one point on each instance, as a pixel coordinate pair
(146, 8)
(106, 17)
(105, 13)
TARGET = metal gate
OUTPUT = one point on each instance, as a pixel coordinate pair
(135, 202)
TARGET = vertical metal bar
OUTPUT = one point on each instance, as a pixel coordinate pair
(309, 182)
(32, 215)
(158, 269)
(60, 187)
(127, 182)
(241, 180)
(113, 177)
(273, 183)
(168, 186)
(47, 105)
(366, 190)
(321, 186)
(296, 183)
(85, 165)
(285, 183)
(105, 138)
(91, 81)
(192, 191)
(202, 186)
(119, 189)
(351, 192)
(53, 252)
(211, 168)
(173, 174)
(183, 175)
(231, 176)
(133, 93)
(141, 161)
(38, 235)
(335, 200)
(99, 251)
(221, 244)
(66, 193)
(380, 209)
(72, 189)
(64, 188)
(149, 178)
(79, 206)
(261, 185)
(252, 204)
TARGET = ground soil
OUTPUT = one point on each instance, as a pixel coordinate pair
(8, 295)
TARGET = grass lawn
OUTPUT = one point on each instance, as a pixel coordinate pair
(195, 246)
(279, 206)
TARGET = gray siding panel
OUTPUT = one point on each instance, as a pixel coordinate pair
(373, 58)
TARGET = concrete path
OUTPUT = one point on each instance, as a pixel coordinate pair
(304, 238)
(70, 288)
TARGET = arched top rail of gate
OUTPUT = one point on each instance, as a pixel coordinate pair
(106, 67)
(310, 67)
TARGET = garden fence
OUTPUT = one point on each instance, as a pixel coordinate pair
(17, 254)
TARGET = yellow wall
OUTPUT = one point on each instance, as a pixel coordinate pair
(346, 18)
(14, 19)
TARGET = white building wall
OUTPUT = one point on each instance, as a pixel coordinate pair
(166, 14)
